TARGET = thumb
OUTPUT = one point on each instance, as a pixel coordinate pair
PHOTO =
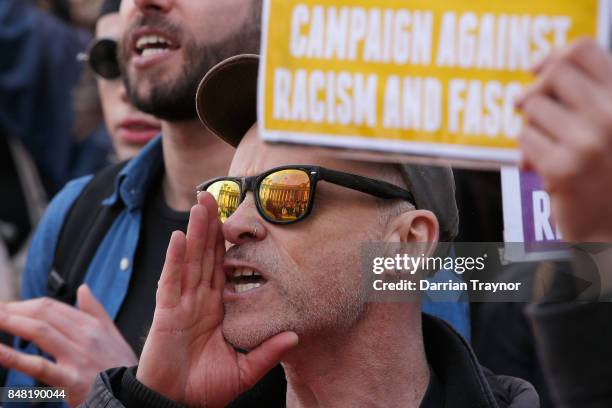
(90, 305)
(258, 362)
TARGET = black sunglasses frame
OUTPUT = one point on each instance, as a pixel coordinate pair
(377, 188)
(86, 57)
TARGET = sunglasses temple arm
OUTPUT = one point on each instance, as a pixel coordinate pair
(366, 185)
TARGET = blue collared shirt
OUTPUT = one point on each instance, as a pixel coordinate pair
(110, 270)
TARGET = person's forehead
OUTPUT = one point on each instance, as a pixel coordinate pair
(254, 156)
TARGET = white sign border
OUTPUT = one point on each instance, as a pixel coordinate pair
(462, 152)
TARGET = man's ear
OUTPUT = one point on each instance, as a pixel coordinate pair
(417, 226)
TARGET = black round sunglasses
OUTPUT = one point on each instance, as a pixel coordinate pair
(101, 55)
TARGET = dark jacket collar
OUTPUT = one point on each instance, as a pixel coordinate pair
(458, 379)
(461, 379)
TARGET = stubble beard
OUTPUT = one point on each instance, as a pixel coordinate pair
(174, 100)
(309, 308)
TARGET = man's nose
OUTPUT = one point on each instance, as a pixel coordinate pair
(245, 224)
(162, 6)
(123, 93)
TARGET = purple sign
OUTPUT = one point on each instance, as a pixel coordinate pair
(539, 228)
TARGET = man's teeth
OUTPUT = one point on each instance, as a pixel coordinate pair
(244, 287)
(151, 40)
(152, 51)
(152, 44)
(238, 272)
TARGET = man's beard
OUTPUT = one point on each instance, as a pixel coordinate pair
(175, 100)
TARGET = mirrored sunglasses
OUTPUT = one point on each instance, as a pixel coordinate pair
(285, 195)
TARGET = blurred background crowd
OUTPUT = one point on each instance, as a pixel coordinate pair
(59, 119)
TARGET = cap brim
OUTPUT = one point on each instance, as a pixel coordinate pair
(226, 100)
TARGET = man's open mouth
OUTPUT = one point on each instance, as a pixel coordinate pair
(152, 44)
(244, 279)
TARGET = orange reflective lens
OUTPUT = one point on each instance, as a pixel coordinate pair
(227, 194)
(284, 195)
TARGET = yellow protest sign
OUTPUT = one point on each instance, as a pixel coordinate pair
(424, 77)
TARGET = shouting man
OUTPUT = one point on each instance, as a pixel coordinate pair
(289, 286)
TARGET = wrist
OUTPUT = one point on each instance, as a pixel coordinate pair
(140, 393)
(147, 378)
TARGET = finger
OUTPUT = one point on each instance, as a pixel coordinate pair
(555, 120)
(218, 279)
(210, 258)
(534, 144)
(196, 241)
(35, 366)
(537, 68)
(266, 356)
(64, 318)
(543, 155)
(585, 54)
(88, 303)
(570, 86)
(169, 285)
(40, 332)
